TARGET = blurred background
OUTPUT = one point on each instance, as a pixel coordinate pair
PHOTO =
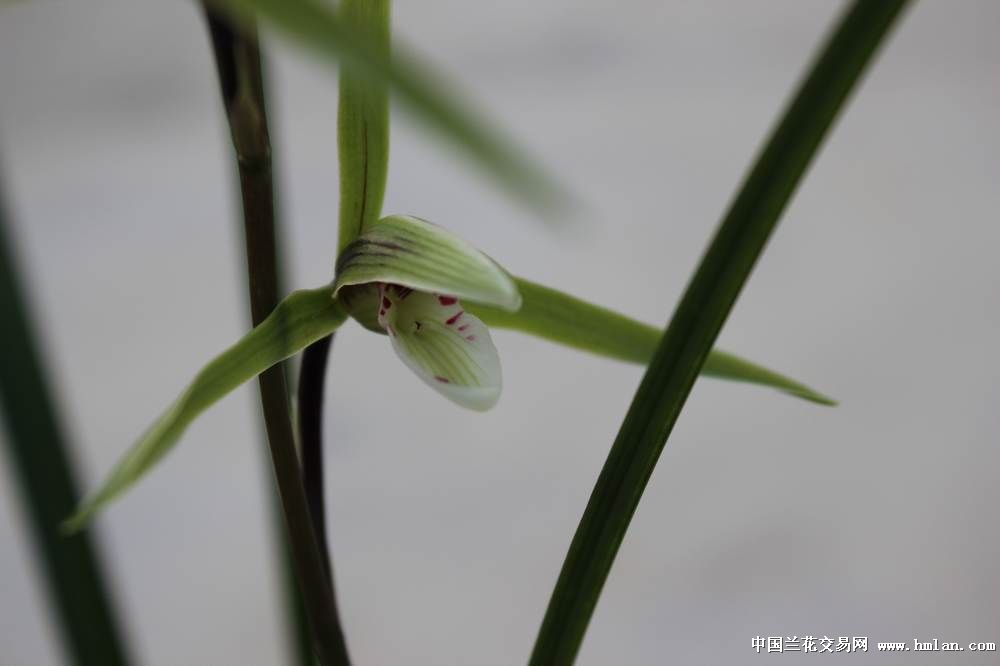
(766, 515)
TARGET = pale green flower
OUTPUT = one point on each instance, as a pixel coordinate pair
(407, 278)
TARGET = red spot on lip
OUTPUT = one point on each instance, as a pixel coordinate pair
(386, 303)
(447, 300)
(471, 338)
(443, 380)
(463, 327)
(454, 319)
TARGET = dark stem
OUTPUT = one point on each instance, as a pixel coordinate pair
(38, 450)
(238, 59)
(225, 45)
(312, 376)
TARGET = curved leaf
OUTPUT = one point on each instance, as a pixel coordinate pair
(299, 320)
(32, 435)
(710, 295)
(565, 319)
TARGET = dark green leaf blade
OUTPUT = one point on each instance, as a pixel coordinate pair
(40, 460)
(697, 321)
(567, 320)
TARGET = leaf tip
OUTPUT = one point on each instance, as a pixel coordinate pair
(814, 397)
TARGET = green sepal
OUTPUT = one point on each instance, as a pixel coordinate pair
(565, 319)
(363, 123)
(298, 321)
(410, 252)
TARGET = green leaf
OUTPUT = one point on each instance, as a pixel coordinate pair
(314, 25)
(40, 462)
(696, 323)
(569, 321)
(414, 253)
(363, 124)
(299, 320)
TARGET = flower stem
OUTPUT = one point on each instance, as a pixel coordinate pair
(312, 375)
(238, 59)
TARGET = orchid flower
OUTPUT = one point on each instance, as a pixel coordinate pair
(432, 294)
(407, 278)
(402, 276)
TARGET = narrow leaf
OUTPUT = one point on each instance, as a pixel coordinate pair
(567, 320)
(314, 25)
(697, 321)
(299, 320)
(408, 251)
(40, 464)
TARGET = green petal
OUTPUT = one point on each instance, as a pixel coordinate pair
(414, 253)
(562, 318)
(299, 320)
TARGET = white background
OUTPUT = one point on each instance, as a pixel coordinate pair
(765, 516)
